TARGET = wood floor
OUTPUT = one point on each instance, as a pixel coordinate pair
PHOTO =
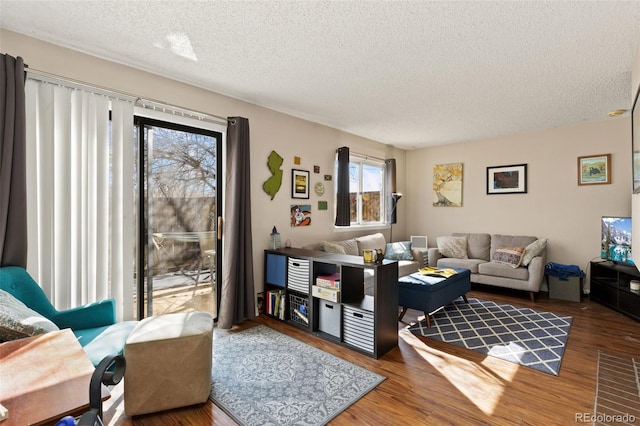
(433, 383)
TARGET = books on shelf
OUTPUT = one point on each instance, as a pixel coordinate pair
(275, 303)
(328, 281)
(325, 293)
(437, 272)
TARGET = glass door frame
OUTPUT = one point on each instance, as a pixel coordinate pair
(144, 242)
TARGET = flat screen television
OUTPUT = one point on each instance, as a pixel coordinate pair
(616, 239)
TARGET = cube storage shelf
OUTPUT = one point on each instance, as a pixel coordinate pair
(367, 323)
(610, 285)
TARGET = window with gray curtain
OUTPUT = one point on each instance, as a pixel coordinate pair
(362, 190)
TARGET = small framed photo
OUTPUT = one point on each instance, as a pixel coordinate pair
(507, 179)
(594, 169)
(299, 184)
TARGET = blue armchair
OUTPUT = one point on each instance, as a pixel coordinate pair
(94, 324)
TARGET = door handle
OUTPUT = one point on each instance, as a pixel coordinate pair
(219, 227)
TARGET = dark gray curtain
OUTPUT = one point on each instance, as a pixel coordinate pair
(13, 184)
(343, 205)
(237, 299)
(390, 189)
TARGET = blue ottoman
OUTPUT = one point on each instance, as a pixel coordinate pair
(428, 293)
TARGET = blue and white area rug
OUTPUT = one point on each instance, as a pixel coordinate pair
(524, 336)
(263, 377)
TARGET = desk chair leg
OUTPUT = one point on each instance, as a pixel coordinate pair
(428, 318)
(404, 311)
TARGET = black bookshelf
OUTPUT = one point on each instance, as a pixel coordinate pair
(367, 323)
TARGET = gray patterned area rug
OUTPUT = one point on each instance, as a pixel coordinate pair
(263, 377)
(523, 336)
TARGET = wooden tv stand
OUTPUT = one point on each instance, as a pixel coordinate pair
(610, 286)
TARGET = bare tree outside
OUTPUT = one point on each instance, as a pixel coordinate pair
(179, 184)
(183, 181)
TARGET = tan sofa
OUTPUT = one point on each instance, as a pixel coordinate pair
(355, 246)
(493, 259)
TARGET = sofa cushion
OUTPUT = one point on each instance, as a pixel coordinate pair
(452, 262)
(407, 267)
(498, 240)
(398, 251)
(534, 249)
(511, 256)
(478, 245)
(496, 269)
(455, 247)
(18, 321)
(330, 247)
(370, 242)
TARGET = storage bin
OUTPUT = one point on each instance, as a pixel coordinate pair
(358, 328)
(276, 269)
(298, 275)
(299, 309)
(565, 290)
(329, 317)
(564, 281)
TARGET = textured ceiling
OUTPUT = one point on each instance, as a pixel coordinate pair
(406, 73)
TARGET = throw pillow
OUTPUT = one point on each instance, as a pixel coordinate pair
(330, 247)
(398, 251)
(532, 250)
(350, 247)
(511, 256)
(18, 321)
(455, 247)
(371, 242)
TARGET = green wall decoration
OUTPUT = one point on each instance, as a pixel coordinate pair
(322, 205)
(272, 185)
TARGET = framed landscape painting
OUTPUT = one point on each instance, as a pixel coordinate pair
(594, 169)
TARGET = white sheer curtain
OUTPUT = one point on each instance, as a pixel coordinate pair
(80, 193)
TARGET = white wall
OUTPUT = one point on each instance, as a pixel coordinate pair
(554, 207)
(314, 144)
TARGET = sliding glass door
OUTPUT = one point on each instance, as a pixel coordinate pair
(179, 191)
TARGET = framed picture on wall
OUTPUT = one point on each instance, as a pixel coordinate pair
(594, 169)
(507, 179)
(299, 184)
(635, 143)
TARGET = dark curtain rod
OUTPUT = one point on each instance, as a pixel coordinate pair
(366, 156)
